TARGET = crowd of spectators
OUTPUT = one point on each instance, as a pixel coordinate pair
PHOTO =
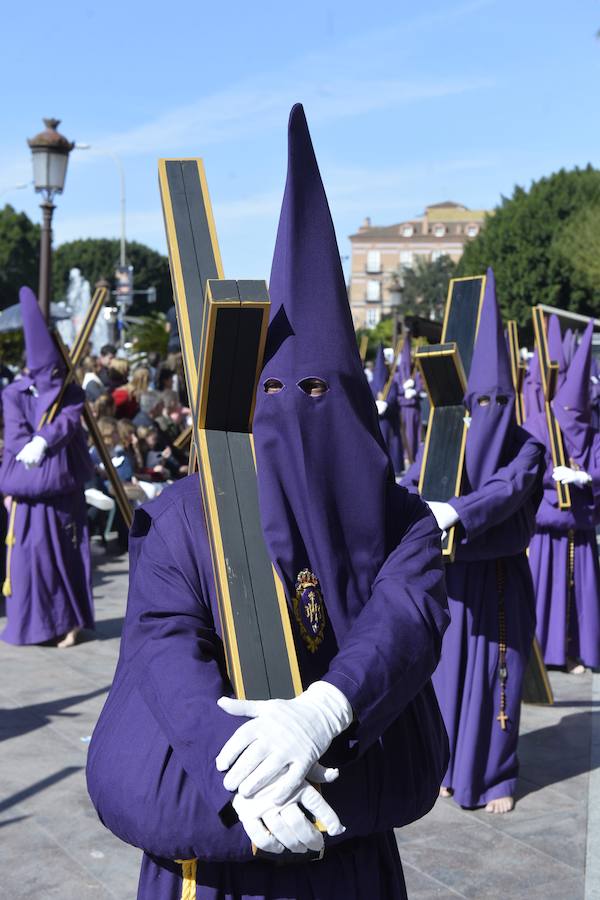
(141, 410)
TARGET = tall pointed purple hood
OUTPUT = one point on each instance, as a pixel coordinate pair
(405, 362)
(555, 348)
(571, 402)
(40, 349)
(380, 373)
(323, 471)
(490, 396)
(569, 346)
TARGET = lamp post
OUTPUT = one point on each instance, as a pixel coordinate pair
(119, 164)
(50, 155)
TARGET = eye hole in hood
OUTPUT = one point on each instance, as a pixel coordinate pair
(313, 387)
(273, 386)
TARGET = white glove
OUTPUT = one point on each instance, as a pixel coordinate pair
(117, 461)
(445, 514)
(32, 453)
(571, 476)
(287, 827)
(409, 383)
(283, 740)
(381, 406)
(409, 393)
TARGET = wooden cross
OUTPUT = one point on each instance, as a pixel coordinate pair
(517, 370)
(445, 368)
(222, 326)
(91, 424)
(549, 374)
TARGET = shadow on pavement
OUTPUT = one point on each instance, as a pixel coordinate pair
(555, 753)
(20, 720)
(36, 788)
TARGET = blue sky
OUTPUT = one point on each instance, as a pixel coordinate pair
(408, 104)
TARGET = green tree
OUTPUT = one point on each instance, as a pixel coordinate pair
(382, 333)
(426, 286)
(98, 257)
(19, 254)
(578, 241)
(148, 333)
(529, 241)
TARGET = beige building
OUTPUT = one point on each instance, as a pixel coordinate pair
(381, 252)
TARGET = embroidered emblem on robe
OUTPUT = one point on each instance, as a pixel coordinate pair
(309, 609)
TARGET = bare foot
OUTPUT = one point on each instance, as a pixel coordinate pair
(575, 668)
(446, 792)
(501, 805)
(70, 639)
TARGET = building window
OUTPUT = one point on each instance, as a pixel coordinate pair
(437, 254)
(407, 231)
(472, 230)
(439, 230)
(373, 261)
(372, 318)
(373, 291)
(406, 258)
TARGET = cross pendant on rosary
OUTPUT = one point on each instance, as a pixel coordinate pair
(503, 719)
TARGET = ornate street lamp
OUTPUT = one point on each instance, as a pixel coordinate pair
(50, 155)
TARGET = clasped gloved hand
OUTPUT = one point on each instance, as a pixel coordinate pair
(283, 740)
(33, 453)
(275, 828)
(445, 515)
(566, 475)
(409, 393)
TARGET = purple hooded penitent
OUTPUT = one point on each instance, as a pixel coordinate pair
(555, 348)
(595, 393)
(569, 346)
(490, 396)
(410, 407)
(380, 373)
(490, 577)
(48, 566)
(389, 421)
(329, 504)
(533, 395)
(563, 554)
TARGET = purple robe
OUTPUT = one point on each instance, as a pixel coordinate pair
(410, 408)
(151, 771)
(533, 396)
(490, 590)
(50, 571)
(329, 502)
(563, 554)
(389, 422)
(568, 616)
(497, 522)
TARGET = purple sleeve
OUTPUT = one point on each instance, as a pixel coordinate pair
(503, 494)
(17, 430)
(176, 653)
(394, 645)
(66, 423)
(410, 479)
(594, 473)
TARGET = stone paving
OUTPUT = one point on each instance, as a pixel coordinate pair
(53, 846)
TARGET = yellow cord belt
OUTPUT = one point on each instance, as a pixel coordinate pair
(570, 589)
(10, 542)
(188, 875)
